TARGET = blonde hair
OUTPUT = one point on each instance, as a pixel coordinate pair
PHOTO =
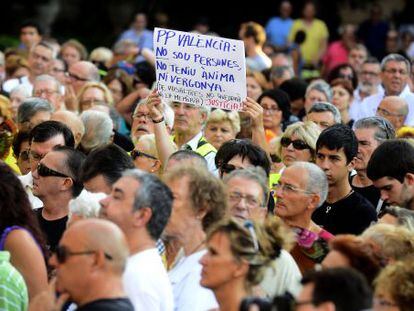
(307, 131)
(5, 107)
(259, 77)
(405, 132)
(220, 116)
(83, 53)
(99, 85)
(395, 242)
(397, 280)
(254, 242)
(150, 139)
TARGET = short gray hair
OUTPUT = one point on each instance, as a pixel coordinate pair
(321, 86)
(256, 174)
(86, 205)
(45, 77)
(384, 131)
(152, 193)
(21, 88)
(98, 129)
(397, 58)
(30, 106)
(316, 182)
(326, 107)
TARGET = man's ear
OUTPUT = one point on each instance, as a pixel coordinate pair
(314, 200)
(351, 165)
(142, 216)
(409, 177)
(67, 183)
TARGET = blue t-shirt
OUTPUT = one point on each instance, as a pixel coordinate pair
(277, 30)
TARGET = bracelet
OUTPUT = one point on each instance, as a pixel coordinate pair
(158, 121)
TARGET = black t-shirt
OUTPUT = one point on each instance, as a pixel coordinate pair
(53, 229)
(371, 193)
(121, 304)
(353, 214)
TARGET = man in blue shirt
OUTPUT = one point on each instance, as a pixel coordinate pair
(278, 28)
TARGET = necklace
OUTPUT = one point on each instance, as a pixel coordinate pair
(328, 208)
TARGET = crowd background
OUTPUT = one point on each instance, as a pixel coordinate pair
(119, 200)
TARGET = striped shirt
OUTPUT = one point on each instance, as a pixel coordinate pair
(13, 291)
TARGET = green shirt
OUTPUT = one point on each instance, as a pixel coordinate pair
(13, 290)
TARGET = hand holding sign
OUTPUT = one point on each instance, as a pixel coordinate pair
(254, 111)
(201, 70)
(154, 105)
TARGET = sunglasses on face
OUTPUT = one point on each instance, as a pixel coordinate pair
(44, 171)
(227, 168)
(297, 143)
(136, 153)
(63, 253)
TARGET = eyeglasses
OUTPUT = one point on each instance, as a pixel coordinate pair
(141, 115)
(380, 302)
(297, 143)
(251, 201)
(394, 71)
(271, 109)
(369, 73)
(75, 77)
(136, 153)
(63, 253)
(386, 113)
(289, 188)
(24, 155)
(44, 171)
(227, 168)
(39, 93)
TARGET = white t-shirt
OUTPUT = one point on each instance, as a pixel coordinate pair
(282, 275)
(27, 182)
(185, 278)
(146, 282)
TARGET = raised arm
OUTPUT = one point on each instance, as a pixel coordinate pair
(165, 146)
(255, 112)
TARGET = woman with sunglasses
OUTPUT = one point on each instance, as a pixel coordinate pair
(237, 256)
(145, 155)
(20, 232)
(298, 143)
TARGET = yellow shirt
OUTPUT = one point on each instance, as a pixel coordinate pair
(316, 33)
(12, 162)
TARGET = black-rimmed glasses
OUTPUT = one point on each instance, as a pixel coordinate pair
(136, 153)
(63, 253)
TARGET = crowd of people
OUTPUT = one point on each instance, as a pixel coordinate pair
(112, 198)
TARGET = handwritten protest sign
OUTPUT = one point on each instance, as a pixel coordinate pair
(199, 69)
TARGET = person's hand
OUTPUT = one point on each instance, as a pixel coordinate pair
(47, 300)
(254, 111)
(71, 101)
(154, 105)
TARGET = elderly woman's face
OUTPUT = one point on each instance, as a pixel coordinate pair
(272, 115)
(293, 151)
(312, 97)
(219, 133)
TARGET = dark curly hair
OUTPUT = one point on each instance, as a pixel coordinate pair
(15, 208)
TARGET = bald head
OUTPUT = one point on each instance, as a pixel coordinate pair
(82, 72)
(99, 234)
(72, 121)
(394, 109)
